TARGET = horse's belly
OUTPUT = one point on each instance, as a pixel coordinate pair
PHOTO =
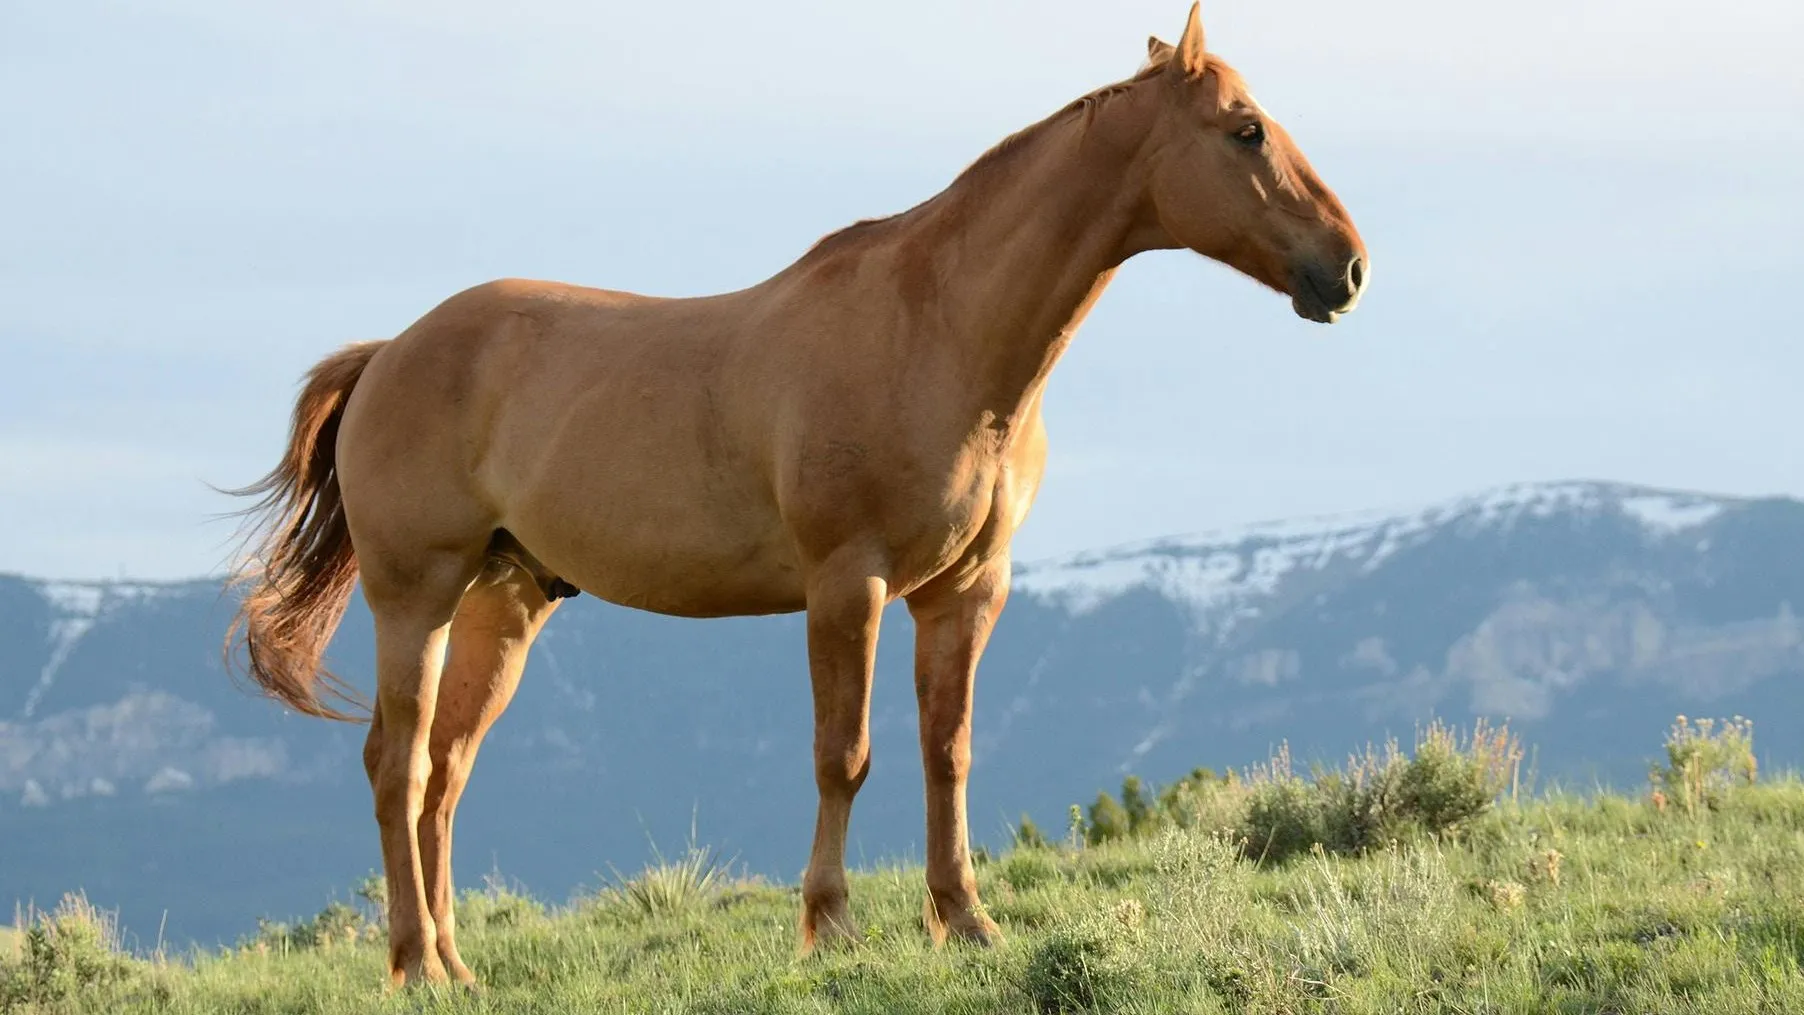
(729, 592)
(690, 561)
(640, 489)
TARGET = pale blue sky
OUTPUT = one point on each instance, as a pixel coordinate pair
(1584, 220)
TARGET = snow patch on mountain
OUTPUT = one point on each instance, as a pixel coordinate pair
(75, 607)
(1221, 575)
(1669, 514)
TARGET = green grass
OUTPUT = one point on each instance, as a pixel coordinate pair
(1557, 904)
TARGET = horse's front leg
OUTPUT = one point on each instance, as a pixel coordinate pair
(845, 604)
(952, 625)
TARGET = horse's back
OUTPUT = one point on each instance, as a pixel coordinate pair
(617, 436)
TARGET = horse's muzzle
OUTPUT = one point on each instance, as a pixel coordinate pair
(1322, 292)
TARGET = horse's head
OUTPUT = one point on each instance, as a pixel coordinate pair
(1228, 182)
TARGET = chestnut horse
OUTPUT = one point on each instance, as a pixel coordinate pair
(862, 426)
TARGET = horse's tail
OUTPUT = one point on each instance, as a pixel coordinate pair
(297, 579)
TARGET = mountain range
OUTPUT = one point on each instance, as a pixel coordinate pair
(1587, 615)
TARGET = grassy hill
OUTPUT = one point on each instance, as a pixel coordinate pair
(1395, 884)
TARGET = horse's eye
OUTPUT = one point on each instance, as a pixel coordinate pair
(1252, 135)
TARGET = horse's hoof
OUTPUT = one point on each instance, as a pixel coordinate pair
(967, 924)
(418, 974)
(976, 929)
(464, 979)
(824, 931)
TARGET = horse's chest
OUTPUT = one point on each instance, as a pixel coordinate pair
(925, 506)
(968, 524)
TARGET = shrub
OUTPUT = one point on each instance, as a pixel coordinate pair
(1364, 805)
(1201, 881)
(1203, 802)
(1029, 836)
(1136, 814)
(1137, 804)
(1448, 782)
(1380, 795)
(1704, 761)
(1283, 815)
(339, 924)
(496, 904)
(70, 951)
(373, 890)
(1108, 821)
(1086, 967)
(1026, 869)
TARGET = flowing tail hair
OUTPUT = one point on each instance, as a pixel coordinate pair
(296, 581)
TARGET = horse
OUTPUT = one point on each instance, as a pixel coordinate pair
(861, 427)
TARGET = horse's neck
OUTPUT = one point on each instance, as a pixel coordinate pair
(1019, 255)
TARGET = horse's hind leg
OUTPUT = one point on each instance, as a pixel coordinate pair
(413, 600)
(495, 626)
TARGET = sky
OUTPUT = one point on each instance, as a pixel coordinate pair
(1583, 216)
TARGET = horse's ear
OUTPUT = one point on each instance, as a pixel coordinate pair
(1190, 57)
(1158, 51)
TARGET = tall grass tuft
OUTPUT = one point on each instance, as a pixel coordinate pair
(670, 887)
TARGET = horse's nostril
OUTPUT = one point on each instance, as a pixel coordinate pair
(1356, 273)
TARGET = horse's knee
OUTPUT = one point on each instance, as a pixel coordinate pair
(372, 753)
(399, 781)
(947, 763)
(840, 768)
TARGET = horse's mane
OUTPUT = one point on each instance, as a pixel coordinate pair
(985, 166)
